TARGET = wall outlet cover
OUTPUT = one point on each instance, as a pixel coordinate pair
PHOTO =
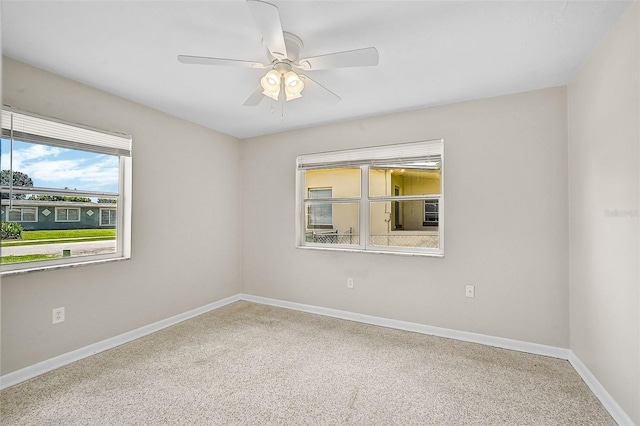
(470, 291)
(57, 315)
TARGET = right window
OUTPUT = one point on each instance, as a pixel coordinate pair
(381, 199)
(108, 217)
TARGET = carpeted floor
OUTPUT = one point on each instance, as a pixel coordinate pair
(253, 364)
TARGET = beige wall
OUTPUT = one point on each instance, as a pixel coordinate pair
(511, 242)
(179, 170)
(604, 161)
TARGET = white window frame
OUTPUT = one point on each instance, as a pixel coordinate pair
(363, 159)
(29, 127)
(110, 210)
(59, 209)
(21, 214)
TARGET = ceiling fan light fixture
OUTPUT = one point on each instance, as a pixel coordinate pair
(283, 55)
(293, 85)
(271, 84)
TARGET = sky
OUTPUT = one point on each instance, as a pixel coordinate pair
(54, 167)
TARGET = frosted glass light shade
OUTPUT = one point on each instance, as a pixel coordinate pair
(271, 84)
(293, 85)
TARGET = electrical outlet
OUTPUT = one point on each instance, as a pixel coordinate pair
(58, 315)
(349, 282)
(470, 291)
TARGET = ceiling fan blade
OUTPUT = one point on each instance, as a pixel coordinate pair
(267, 19)
(255, 98)
(320, 92)
(205, 60)
(351, 58)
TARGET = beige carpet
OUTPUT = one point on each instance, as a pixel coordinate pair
(253, 364)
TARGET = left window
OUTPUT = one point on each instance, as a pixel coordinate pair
(22, 214)
(65, 193)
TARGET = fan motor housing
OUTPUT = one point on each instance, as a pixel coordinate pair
(294, 44)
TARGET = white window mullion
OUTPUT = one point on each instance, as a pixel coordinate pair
(300, 208)
(441, 203)
(441, 224)
(364, 207)
(123, 213)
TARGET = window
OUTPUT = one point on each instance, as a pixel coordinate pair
(108, 217)
(22, 214)
(382, 199)
(320, 215)
(430, 213)
(64, 183)
(65, 214)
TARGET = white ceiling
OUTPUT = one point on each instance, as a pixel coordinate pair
(431, 52)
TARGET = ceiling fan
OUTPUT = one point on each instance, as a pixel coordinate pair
(283, 54)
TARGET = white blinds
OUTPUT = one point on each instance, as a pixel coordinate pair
(426, 154)
(33, 128)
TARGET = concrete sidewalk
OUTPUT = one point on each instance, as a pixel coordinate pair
(77, 249)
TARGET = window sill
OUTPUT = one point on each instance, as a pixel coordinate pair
(374, 251)
(37, 268)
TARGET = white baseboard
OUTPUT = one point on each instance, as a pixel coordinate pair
(601, 393)
(499, 342)
(73, 356)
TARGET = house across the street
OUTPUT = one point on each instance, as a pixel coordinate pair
(35, 215)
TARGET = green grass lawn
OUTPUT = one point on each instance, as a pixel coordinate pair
(26, 258)
(67, 233)
(60, 236)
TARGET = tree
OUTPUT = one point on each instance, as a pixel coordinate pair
(46, 198)
(77, 199)
(19, 179)
(59, 198)
(106, 201)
